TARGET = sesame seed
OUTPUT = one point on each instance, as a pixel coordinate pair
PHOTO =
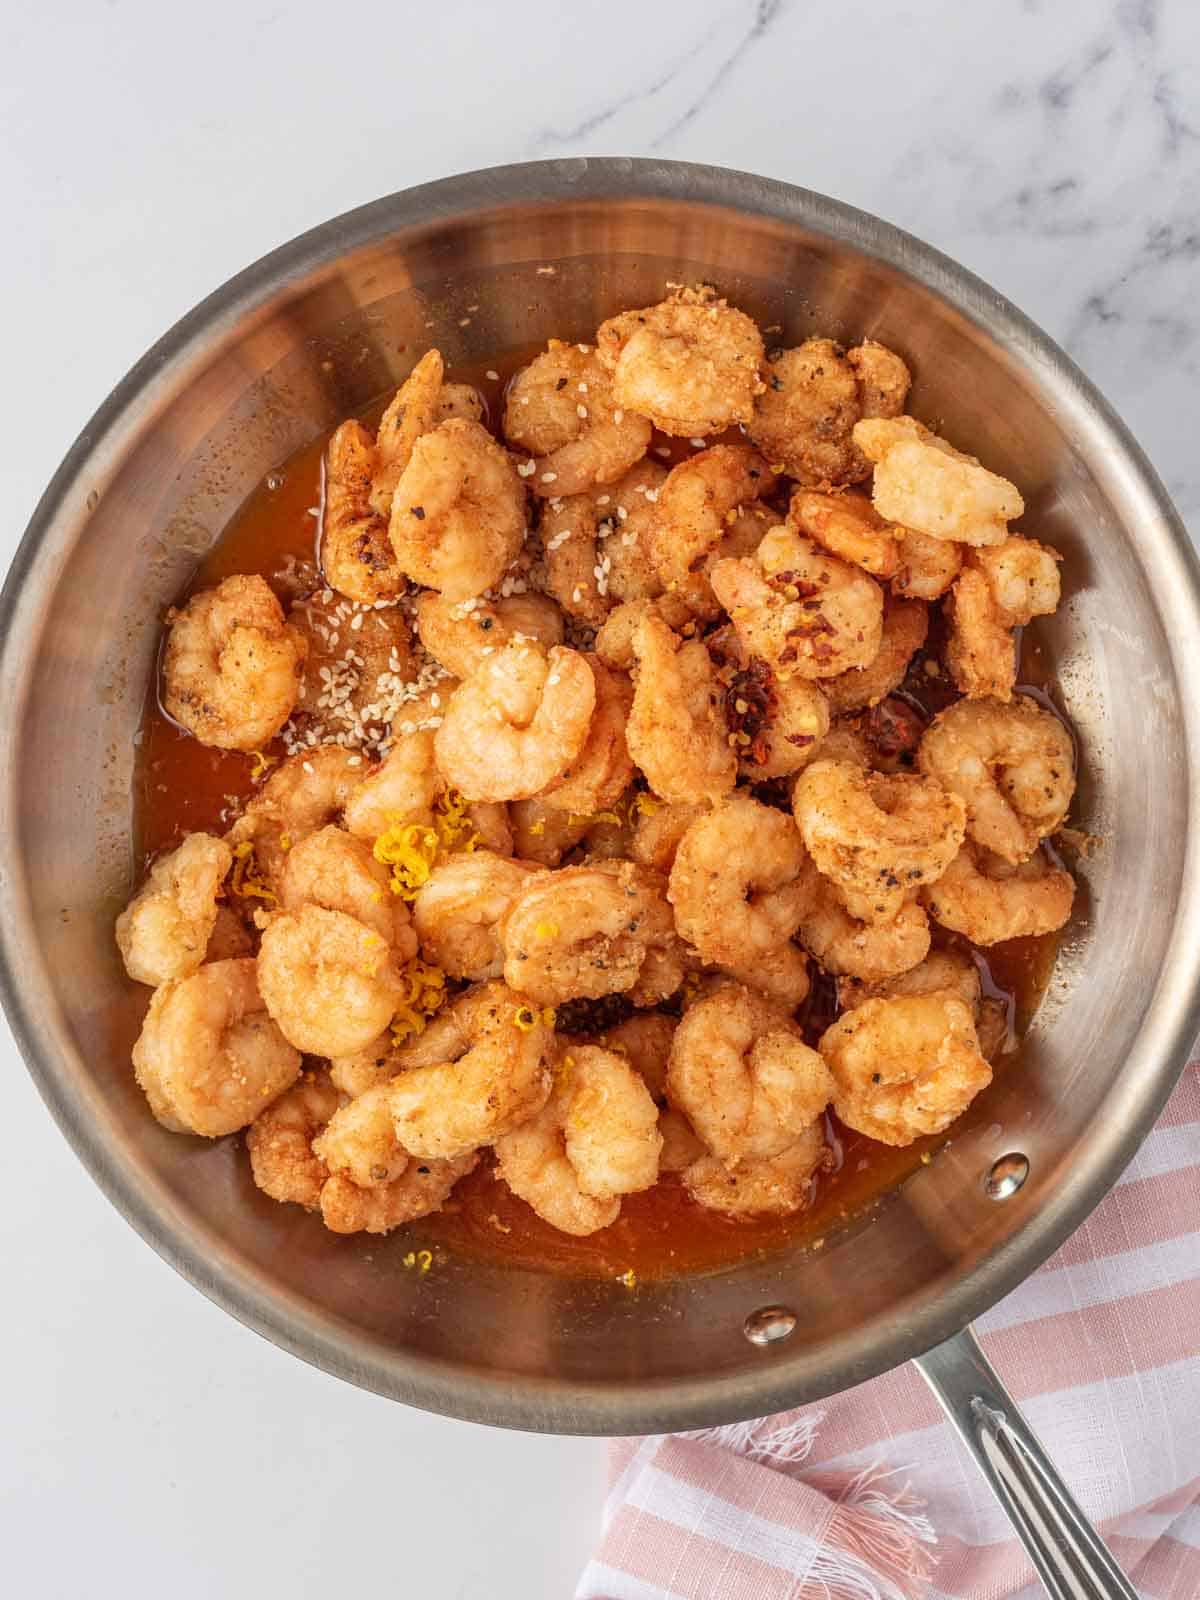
(549, 477)
(526, 469)
(698, 444)
(494, 376)
(581, 411)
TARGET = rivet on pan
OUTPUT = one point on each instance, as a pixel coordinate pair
(1007, 1176)
(769, 1324)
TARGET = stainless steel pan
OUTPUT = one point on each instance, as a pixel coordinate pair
(305, 337)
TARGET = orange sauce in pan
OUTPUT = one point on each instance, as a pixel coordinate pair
(182, 786)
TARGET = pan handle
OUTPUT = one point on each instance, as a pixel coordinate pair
(1071, 1559)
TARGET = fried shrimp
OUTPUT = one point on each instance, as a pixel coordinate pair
(928, 566)
(988, 899)
(883, 379)
(303, 793)
(629, 512)
(743, 1076)
(603, 769)
(802, 611)
(598, 546)
(776, 1186)
(775, 723)
(458, 514)
(458, 910)
(334, 870)
(493, 1075)
(782, 975)
(658, 829)
(981, 650)
(460, 637)
(165, 929)
(232, 665)
(905, 1067)
(595, 1140)
(357, 558)
(905, 625)
(406, 783)
(690, 363)
(926, 484)
(740, 882)
(804, 416)
(848, 526)
(645, 1042)
(583, 932)
(360, 1140)
(614, 638)
(942, 971)
(699, 498)
(413, 411)
(516, 726)
(330, 983)
(209, 1058)
(543, 833)
(876, 837)
(423, 1187)
(676, 732)
(1023, 578)
(562, 410)
(280, 1141)
(844, 946)
(1012, 765)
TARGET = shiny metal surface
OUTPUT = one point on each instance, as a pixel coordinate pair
(1069, 1556)
(305, 337)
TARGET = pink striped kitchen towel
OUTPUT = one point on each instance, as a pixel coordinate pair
(870, 1496)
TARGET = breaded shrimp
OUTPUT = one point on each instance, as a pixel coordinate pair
(165, 929)
(458, 514)
(802, 611)
(423, 1187)
(329, 982)
(941, 971)
(458, 910)
(776, 1186)
(775, 722)
(460, 637)
(542, 833)
(988, 899)
(1012, 765)
(280, 1141)
(360, 1140)
(740, 881)
(676, 732)
(700, 496)
(406, 783)
(805, 414)
(928, 566)
(849, 527)
(209, 1058)
(1023, 578)
(847, 947)
(876, 837)
(331, 868)
(493, 1075)
(517, 725)
(304, 792)
(742, 1074)
(645, 1042)
(658, 830)
(232, 665)
(413, 411)
(562, 411)
(603, 769)
(690, 363)
(926, 484)
(614, 639)
(905, 625)
(357, 558)
(981, 649)
(905, 1067)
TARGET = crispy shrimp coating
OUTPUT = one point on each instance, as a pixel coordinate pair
(848, 526)
(595, 1139)
(343, 687)
(542, 833)
(804, 416)
(460, 400)
(303, 793)
(329, 982)
(926, 484)
(280, 1141)
(598, 546)
(406, 783)
(492, 1074)
(905, 625)
(942, 971)
(802, 611)
(928, 566)
(1023, 578)
(658, 829)
(690, 363)
(209, 1058)
(676, 731)
(458, 515)
(740, 881)
(699, 498)
(775, 722)
(776, 1186)
(414, 410)
(988, 899)
(583, 932)
(981, 649)
(876, 837)
(1012, 765)
(603, 769)
(743, 1076)
(614, 639)
(680, 1146)
(165, 929)
(562, 410)
(844, 946)
(461, 636)
(232, 665)
(629, 510)
(905, 1067)
(458, 910)
(883, 379)
(645, 1042)
(360, 1140)
(781, 974)
(422, 1188)
(357, 558)
(518, 724)
(332, 869)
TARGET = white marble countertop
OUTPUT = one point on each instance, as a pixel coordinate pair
(149, 1442)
